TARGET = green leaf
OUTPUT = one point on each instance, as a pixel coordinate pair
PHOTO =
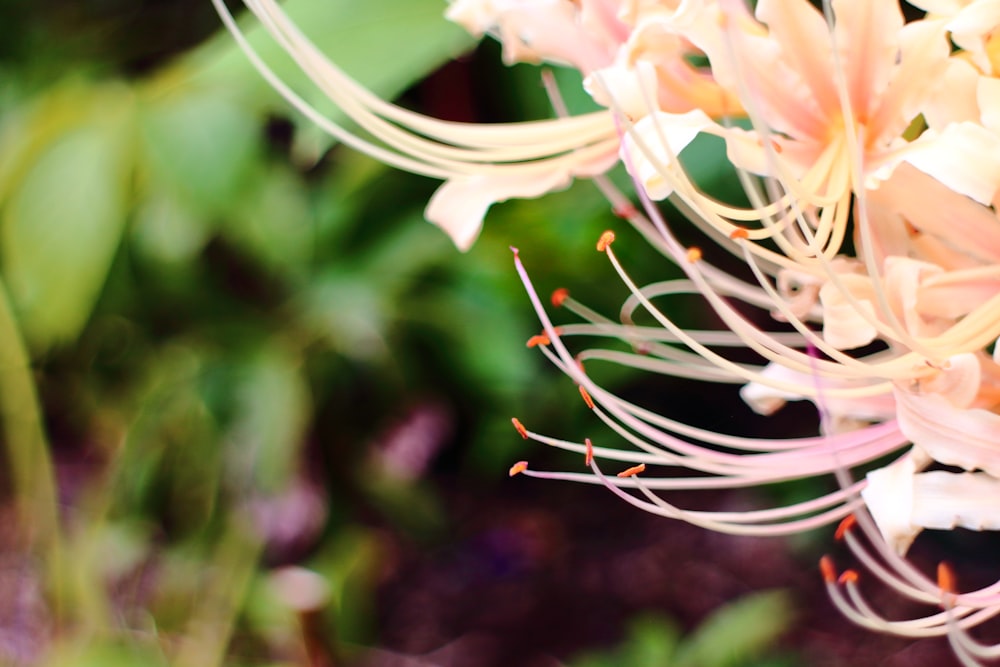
(64, 218)
(386, 45)
(201, 145)
(738, 631)
(273, 410)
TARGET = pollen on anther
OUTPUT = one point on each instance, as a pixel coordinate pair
(693, 254)
(538, 339)
(847, 577)
(588, 457)
(519, 427)
(633, 471)
(517, 468)
(607, 238)
(845, 526)
(827, 569)
(739, 233)
(946, 578)
(586, 397)
(559, 297)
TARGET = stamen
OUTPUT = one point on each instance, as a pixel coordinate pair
(693, 254)
(848, 577)
(849, 522)
(633, 471)
(607, 238)
(589, 456)
(586, 397)
(739, 233)
(517, 468)
(827, 568)
(947, 583)
(519, 427)
(539, 339)
(559, 296)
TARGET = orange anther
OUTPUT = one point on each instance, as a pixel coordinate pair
(848, 577)
(538, 339)
(607, 238)
(693, 254)
(739, 233)
(845, 525)
(589, 456)
(624, 212)
(559, 296)
(828, 570)
(586, 397)
(633, 471)
(517, 468)
(519, 427)
(946, 578)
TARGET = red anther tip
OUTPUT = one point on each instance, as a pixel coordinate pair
(739, 233)
(633, 471)
(589, 456)
(607, 238)
(514, 250)
(828, 570)
(624, 212)
(586, 397)
(559, 297)
(517, 468)
(847, 577)
(845, 526)
(693, 254)
(519, 427)
(946, 578)
(538, 339)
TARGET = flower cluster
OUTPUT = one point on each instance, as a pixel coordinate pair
(868, 147)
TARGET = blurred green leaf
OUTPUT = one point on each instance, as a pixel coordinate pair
(385, 44)
(202, 145)
(738, 631)
(272, 412)
(64, 218)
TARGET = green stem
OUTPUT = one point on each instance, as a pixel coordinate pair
(31, 470)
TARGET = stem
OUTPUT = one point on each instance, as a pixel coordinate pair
(31, 470)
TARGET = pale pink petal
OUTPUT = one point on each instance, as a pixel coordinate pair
(889, 498)
(931, 208)
(923, 58)
(967, 439)
(944, 500)
(460, 204)
(803, 37)
(651, 147)
(867, 36)
(953, 98)
(973, 27)
(964, 156)
(844, 327)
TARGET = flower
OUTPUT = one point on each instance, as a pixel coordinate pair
(869, 153)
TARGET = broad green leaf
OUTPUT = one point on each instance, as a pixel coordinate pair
(385, 44)
(738, 631)
(64, 217)
(201, 145)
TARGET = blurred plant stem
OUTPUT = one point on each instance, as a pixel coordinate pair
(228, 579)
(31, 470)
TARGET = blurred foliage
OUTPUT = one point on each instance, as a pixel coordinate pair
(740, 634)
(221, 324)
